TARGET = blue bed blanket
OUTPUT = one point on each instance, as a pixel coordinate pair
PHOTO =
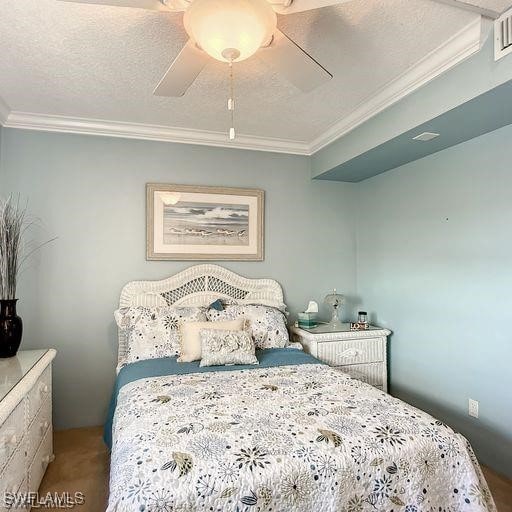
(268, 358)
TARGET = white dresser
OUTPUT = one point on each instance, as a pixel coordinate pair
(26, 444)
(361, 354)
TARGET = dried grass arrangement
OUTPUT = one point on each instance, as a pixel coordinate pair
(14, 251)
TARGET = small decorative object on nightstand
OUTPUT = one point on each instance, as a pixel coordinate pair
(362, 322)
(361, 354)
(335, 300)
(307, 320)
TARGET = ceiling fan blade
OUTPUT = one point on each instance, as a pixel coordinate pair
(287, 7)
(289, 59)
(183, 71)
(154, 5)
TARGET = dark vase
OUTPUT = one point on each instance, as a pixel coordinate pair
(11, 328)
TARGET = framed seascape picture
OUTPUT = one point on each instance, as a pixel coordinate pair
(204, 223)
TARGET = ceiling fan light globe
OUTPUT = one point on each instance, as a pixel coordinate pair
(220, 26)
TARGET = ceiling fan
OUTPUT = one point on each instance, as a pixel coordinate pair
(231, 31)
(234, 30)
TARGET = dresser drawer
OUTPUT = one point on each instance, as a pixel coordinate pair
(13, 473)
(41, 390)
(42, 458)
(338, 353)
(15, 501)
(11, 433)
(372, 373)
(38, 428)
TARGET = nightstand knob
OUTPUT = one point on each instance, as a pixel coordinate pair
(10, 440)
(47, 459)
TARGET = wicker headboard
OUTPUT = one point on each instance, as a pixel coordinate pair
(199, 285)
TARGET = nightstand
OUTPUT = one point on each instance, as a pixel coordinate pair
(26, 444)
(361, 354)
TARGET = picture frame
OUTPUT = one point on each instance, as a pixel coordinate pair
(199, 223)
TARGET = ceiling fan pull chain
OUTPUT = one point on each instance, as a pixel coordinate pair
(231, 101)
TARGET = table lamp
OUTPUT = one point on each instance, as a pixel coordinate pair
(335, 301)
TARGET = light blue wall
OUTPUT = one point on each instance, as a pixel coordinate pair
(90, 192)
(433, 260)
(435, 266)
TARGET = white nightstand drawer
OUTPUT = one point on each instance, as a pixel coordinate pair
(41, 390)
(338, 353)
(43, 457)
(12, 476)
(38, 428)
(361, 354)
(25, 424)
(11, 433)
(370, 373)
(23, 497)
(15, 500)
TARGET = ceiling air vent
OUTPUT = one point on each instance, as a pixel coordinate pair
(503, 35)
(426, 136)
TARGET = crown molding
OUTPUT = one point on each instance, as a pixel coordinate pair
(64, 124)
(459, 47)
(4, 112)
(467, 6)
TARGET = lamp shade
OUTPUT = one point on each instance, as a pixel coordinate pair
(230, 30)
(335, 300)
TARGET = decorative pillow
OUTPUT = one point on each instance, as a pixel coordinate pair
(267, 325)
(190, 340)
(154, 332)
(226, 347)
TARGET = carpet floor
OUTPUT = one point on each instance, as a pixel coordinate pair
(82, 465)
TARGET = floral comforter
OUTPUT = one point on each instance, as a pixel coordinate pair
(290, 438)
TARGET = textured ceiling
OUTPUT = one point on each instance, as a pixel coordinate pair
(103, 63)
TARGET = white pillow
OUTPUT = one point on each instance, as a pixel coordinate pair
(153, 332)
(190, 339)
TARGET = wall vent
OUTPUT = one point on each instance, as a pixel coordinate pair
(503, 35)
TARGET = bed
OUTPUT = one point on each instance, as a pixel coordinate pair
(289, 434)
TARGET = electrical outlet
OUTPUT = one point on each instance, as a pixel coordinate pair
(473, 408)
